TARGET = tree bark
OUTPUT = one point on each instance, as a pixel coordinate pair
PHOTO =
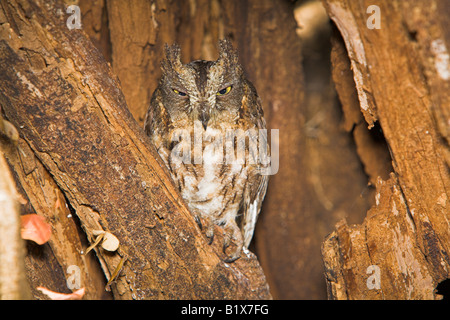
(400, 77)
(65, 247)
(82, 155)
(58, 90)
(304, 198)
(317, 157)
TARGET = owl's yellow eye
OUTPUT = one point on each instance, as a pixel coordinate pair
(179, 92)
(224, 91)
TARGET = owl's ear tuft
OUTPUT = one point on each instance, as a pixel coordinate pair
(173, 58)
(227, 52)
(228, 56)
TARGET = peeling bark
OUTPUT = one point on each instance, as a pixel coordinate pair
(292, 77)
(405, 236)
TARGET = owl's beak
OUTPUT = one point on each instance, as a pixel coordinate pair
(204, 118)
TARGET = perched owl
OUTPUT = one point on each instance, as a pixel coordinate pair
(203, 119)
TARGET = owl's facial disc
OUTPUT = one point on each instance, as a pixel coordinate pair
(205, 91)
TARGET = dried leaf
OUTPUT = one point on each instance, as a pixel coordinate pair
(98, 232)
(110, 242)
(116, 272)
(35, 228)
(99, 238)
(76, 295)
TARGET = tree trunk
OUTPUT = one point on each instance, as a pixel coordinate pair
(83, 160)
(57, 89)
(304, 198)
(400, 77)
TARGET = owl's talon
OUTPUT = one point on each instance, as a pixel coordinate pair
(232, 259)
(210, 232)
(232, 232)
(199, 222)
(236, 254)
(226, 241)
(210, 239)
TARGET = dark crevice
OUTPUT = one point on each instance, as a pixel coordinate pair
(443, 289)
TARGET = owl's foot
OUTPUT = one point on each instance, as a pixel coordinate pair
(233, 232)
(210, 231)
(209, 228)
(199, 222)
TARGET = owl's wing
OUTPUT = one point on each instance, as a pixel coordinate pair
(157, 122)
(257, 184)
(252, 206)
(156, 118)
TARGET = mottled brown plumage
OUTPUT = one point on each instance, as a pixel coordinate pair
(198, 110)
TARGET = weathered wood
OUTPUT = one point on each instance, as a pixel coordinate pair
(138, 31)
(62, 257)
(401, 250)
(317, 157)
(59, 92)
(371, 146)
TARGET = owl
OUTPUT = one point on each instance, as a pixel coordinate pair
(203, 119)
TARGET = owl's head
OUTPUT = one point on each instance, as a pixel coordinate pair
(208, 91)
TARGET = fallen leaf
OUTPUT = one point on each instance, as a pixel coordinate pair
(76, 295)
(116, 272)
(110, 242)
(98, 232)
(35, 228)
(97, 240)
